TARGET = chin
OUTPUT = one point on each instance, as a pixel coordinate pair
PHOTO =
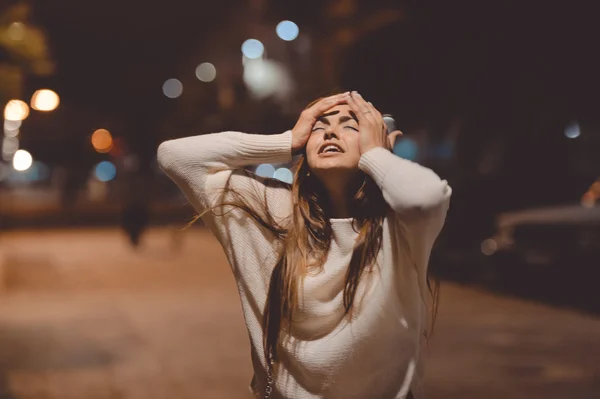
(334, 167)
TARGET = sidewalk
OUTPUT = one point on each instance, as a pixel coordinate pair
(85, 317)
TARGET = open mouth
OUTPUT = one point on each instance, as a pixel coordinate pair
(330, 148)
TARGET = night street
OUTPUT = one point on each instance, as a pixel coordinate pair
(84, 316)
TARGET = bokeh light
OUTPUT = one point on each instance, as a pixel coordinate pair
(253, 49)
(105, 171)
(407, 148)
(45, 100)
(573, 130)
(11, 133)
(102, 140)
(16, 31)
(22, 160)
(16, 110)
(265, 170)
(10, 145)
(284, 174)
(4, 171)
(489, 247)
(267, 78)
(11, 125)
(172, 88)
(206, 72)
(287, 30)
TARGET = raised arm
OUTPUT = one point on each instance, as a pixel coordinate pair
(414, 192)
(419, 198)
(200, 165)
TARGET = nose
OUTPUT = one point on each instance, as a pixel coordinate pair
(330, 133)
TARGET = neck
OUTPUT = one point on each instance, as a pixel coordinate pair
(340, 195)
(340, 204)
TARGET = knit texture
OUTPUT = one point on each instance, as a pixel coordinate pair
(376, 353)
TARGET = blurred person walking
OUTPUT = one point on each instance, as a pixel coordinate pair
(332, 270)
(135, 218)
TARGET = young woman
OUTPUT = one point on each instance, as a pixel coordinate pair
(332, 269)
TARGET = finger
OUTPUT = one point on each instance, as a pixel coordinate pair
(324, 104)
(393, 137)
(357, 105)
(378, 117)
(365, 109)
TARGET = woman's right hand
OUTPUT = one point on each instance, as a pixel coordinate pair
(303, 128)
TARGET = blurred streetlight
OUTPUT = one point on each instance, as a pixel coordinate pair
(287, 30)
(172, 88)
(253, 49)
(265, 170)
(105, 171)
(44, 100)
(102, 141)
(206, 72)
(10, 145)
(285, 175)
(16, 110)
(267, 78)
(22, 160)
(16, 31)
(573, 130)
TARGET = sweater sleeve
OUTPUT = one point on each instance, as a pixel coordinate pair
(419, 198)
(203, 166)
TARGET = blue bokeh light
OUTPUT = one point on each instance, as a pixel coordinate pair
(105, 171)
(406, 148)
(287, 30)
(265, 170)
(253, 48)
(285, 175)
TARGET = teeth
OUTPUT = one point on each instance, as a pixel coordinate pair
(331, 147)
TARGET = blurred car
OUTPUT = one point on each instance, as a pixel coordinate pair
(547, 235)
(549, 253)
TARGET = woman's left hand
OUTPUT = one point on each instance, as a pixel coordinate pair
(372, 128)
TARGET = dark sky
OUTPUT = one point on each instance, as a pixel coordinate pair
(500, 57)
(520, 68)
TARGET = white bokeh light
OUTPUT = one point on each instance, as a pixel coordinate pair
(287, 30)
(172, 88)
(206, 72)
(22, 160)
(16, 110)
(10, 145)
(12, 125)
(45, 100)
(284, 174)
(265, 78)
(11, 133)
(253, 49)
(573, 130)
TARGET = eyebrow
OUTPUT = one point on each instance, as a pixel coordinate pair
(344, 118)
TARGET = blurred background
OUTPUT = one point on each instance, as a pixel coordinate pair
(102, 295)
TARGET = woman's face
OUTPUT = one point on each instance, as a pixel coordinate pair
(333, 144)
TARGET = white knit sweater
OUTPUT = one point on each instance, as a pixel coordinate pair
(376, 354)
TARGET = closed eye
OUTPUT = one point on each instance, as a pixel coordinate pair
(317, 128)
(352, 127)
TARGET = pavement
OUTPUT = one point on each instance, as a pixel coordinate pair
(83, 316)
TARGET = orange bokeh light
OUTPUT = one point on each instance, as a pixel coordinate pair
(102, 140)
